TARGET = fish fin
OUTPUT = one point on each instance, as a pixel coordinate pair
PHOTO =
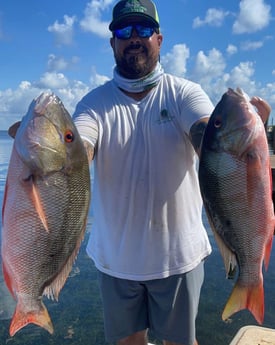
(5, 200)
(268, 248)
(52, 291)
(39, 317)
(13, 129)
(246, 298)
(38, 206)
(229, 258)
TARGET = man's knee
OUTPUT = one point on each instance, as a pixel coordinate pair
(138, 338)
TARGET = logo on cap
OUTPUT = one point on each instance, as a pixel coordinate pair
(133, 6)
(126, 8)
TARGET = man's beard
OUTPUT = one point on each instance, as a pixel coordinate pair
(135, 66)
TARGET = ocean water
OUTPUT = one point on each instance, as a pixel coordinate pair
(77, 316)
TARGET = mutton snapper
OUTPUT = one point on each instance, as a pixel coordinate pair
(45, 209)
(235, 181)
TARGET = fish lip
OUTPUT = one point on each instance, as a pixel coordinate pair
(43, 101)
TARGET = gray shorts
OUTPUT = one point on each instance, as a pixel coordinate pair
(168, 307)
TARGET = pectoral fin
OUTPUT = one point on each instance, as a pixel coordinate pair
(37, 203)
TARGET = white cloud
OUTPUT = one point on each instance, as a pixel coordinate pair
(268, 92)
(92, 21)
(213, 17)
(209, 66)
(56, 63)
(174, 62)
(52, 80)
(15, 102)
(254, 15)
(251, 45)
(72, 94)
(231, 49)
(242, 76)
(97, 79)
(208, 71)
(254, 45)
(63, 32)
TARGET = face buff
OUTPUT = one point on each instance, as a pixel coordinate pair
(141, 84)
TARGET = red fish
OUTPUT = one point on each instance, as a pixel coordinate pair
(236, 187)
(45, 209)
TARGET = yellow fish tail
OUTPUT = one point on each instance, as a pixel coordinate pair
(38, 317)
(243, 297)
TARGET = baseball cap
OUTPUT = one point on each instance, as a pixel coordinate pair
(145, 9)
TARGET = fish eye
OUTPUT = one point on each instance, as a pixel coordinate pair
(69, 136)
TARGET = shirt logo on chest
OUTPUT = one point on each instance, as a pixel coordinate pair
(164, 117)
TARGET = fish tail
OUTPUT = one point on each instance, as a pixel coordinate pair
(38, 317)
(251, 298)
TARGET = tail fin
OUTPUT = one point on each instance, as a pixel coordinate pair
(251, 298)
(38, 317)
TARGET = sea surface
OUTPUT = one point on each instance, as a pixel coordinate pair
(77, 316)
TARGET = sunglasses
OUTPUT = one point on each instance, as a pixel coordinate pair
(142, 31)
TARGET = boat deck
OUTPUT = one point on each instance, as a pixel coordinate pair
(254, 335)
(272, 161)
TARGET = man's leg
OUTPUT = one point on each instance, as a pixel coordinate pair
(169, 343)
(173, 305)
(125, 310)
(139, 338)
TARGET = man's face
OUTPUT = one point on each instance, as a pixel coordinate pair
(136, 56)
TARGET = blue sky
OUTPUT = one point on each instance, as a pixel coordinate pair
(63, 46)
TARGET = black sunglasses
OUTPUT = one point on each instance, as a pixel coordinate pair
(126, 32)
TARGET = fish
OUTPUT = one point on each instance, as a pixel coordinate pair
(236, 188)
(45, 208)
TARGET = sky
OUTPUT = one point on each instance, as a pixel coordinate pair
(63, 47)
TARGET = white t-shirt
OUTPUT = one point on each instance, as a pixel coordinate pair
(146, 198)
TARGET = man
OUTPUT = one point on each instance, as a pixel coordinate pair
(143, 129)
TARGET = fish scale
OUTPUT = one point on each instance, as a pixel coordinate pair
(235, 182)
(45, 209)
